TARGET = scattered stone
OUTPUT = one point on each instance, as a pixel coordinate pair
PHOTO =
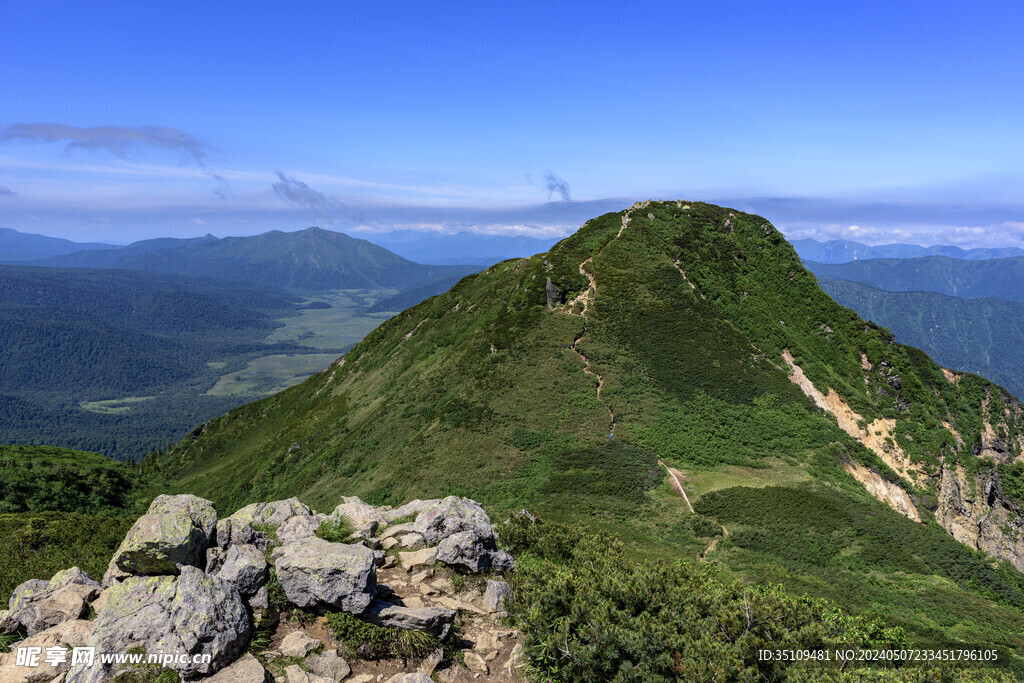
(298, 644)
(420, 577)
(175, 531)
(246, 567)
(435, 620)
(192, 613)
(8, 624)
(296, 674)
(320, 574)
(476, 663)
(362, 678)
(413, 601)
(427, 557)
(497, 593)
(459, 605)
(515, 660)
(428, 665)
(410, 678)
(389, 543)
(412, 541)
(247, 669)
(329, 665)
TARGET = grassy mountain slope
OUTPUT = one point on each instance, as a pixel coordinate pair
(1001, 278)
(682, 331)
(982, 336)
(306, 261)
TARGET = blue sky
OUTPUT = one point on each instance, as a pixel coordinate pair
(872, 121)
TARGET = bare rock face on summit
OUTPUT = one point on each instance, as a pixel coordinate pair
(453, 515)
(175, 531)
(320, 574)
(192, 613)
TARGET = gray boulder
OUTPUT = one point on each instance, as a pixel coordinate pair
(272, 514)
(39, 605)
(245, 567)
(455, 515)
(8, 623)
(192, 614)
(246, 670)
(464, 549)
(320, 574)
(214, 559)
(175, 531)
(501, 561)
(435, 620)
(364, 517)
(496, 595)
(296, 674)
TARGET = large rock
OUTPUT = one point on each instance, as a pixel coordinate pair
(435, 620)
(320, 574)
(70, 634)
(246, 670)
(193, 614)
(175, 531)
(455, 515)
(39, 605)
(364, 517)
(464, 549)
(271, 514)
(246, 567)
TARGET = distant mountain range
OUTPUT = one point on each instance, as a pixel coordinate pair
(1002, 278)
(21, 246)
(843, 251)
(305, 261)
(460, 248)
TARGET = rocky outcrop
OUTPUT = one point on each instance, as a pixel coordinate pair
(184, 583)
(174, 532)
(975, 512)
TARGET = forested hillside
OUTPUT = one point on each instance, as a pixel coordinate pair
(1002, 278)
(983, 336)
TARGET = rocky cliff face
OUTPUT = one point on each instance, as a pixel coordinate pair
(210, 593)
(971, 505)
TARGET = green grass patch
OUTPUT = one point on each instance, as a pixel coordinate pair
(338, 530)
(369, 641)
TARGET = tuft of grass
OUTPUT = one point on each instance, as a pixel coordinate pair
(336, 530)
(6, 641)
(370, 641)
